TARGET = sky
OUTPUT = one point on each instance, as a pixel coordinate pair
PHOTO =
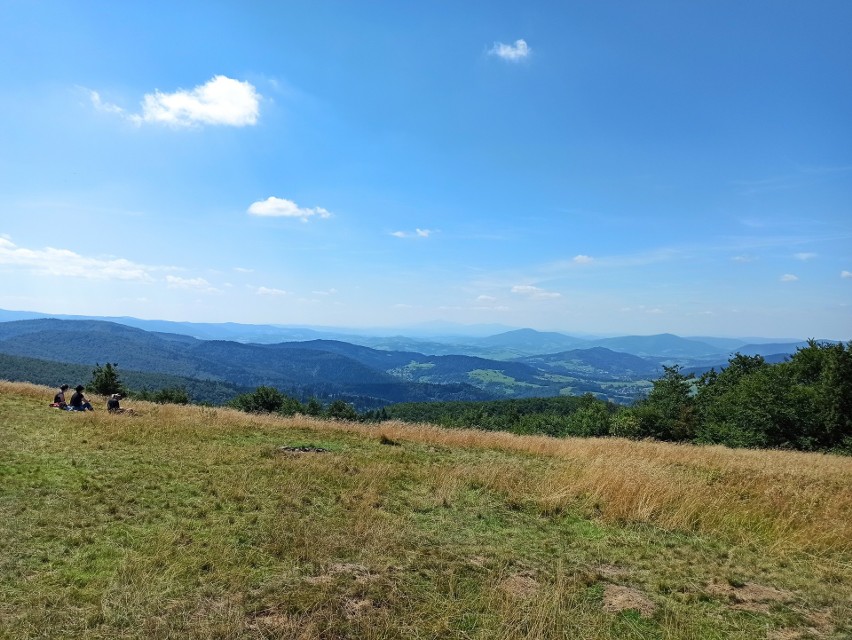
(603, 167)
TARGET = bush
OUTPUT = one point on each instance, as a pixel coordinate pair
(267, 400)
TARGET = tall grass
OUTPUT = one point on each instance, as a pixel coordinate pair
(186, 521)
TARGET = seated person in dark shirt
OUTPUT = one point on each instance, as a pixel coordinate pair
(79, 401)
(59, 399)
(113, 406)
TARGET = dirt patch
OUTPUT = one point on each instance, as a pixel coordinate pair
(752, 597)
(610, 571)
(618, 598)
(520, 586)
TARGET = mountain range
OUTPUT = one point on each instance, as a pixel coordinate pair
(368, 370)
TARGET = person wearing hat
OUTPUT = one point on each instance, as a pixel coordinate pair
(79, 402)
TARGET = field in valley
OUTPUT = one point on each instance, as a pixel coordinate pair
(193, 522)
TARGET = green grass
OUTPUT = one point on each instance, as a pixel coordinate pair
(185, 522)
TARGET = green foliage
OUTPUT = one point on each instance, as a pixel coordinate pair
(668, 413)
(804, 403)
(173, 395)
(626, 424)
(267, 400)
(592, 419)
(313, 407)
(340, 410)
(105, 380)
(550, 416)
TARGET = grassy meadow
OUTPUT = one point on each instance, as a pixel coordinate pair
(193, 522)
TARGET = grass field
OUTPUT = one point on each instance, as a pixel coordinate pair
(191, 522)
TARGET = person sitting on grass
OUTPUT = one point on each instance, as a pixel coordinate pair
(113, 405)
(79, 402)
(59, 399)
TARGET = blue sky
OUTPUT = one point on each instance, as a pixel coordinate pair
(586, 167)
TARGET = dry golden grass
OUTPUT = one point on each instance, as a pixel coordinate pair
(188, 522)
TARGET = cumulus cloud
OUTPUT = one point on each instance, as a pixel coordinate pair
(581, 259)
(789, 277)
(194, 284)
(484, 298)
(804, 256)
(220, 101)
(846, 274)
(417, 233)
(274, 207)
(62, 262)
(536, 293)
(511, 52)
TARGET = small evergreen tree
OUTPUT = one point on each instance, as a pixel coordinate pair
(105, 380)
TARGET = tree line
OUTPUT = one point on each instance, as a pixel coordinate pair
(804, 403)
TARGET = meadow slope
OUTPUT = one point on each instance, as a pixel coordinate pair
(193, 522)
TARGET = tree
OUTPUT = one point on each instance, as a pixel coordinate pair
(592, 418)
(267, 400)
(669, 411)
(314, 407)
(105, 380)
(340, 410)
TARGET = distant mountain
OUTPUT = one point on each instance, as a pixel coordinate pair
(597, 362)
(788, 348)
(532, 342)
(664, 345)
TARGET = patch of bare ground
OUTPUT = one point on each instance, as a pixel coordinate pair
(610, 572)
(619, 598)
(521, 586)
(752, 597)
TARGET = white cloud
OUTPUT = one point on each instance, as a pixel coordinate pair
(243, 270)
(270, 291)
(282, 208)
(536, 293)
(789, 277)
(417, 233)
(220, 101)
(62, 262)
(329, 292)
(484, 298)
(581, 259)
(804, 256)
(195, 284)
(100, 105)
(743, 259)
(846, 274)
(511, 52)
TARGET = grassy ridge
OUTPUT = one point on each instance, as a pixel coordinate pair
(190, 522)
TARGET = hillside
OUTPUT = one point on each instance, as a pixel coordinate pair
(197, 523)
(371, 377)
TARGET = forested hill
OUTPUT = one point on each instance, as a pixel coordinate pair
(294, 368)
